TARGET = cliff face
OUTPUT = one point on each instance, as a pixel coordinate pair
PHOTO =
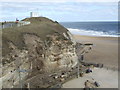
(43, 46)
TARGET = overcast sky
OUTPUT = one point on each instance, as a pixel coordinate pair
(61, 11)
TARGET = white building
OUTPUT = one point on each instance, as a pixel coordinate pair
(34, 14)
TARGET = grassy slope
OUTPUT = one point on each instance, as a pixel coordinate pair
(39, 26)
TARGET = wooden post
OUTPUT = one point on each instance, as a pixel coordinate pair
(2, 25)
(82, 57)
(28, 86)
(11, 24)
(31, 65)
(78, 73)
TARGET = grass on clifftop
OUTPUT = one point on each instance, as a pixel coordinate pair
(39, 26)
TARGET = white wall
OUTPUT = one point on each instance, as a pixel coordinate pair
(34, 14)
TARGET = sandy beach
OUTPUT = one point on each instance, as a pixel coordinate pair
(105, 80)
(104, 50)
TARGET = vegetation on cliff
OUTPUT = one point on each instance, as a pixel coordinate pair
(40, 26)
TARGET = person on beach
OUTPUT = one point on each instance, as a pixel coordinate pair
(96, 84)
(87, 84)
(88, 70)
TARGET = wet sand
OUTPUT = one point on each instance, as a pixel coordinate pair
(104, 50)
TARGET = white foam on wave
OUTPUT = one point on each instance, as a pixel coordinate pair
(90, 32)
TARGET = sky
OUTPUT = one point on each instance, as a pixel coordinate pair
(61, 11)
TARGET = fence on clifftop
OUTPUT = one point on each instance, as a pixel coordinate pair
(13, 24)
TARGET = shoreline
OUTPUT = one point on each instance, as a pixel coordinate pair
(91, 36)
(91, 33)
(97, 36)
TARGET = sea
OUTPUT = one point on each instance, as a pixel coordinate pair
(105, 29)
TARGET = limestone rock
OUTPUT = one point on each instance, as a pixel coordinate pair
(41, 47)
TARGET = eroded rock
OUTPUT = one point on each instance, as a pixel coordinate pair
(37, 58)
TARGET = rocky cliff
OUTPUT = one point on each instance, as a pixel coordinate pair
(34, 50)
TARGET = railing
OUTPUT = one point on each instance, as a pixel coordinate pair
(21, 23)
(13, 24)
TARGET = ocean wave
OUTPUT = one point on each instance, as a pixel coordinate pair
(90, 32)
